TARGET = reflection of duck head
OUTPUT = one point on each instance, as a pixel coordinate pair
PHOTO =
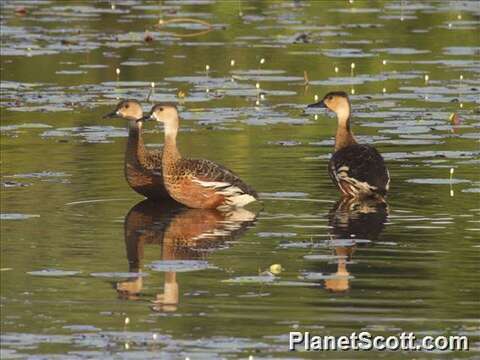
(352, 219)
(182, 233)
(341, 281)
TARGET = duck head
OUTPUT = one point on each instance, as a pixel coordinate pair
(127, 109)
(336, 101)
(165, 113)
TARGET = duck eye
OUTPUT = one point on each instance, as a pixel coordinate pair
(161, 109)
(127, 106)
(330, 97)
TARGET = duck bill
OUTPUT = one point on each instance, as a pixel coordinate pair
(110, 115)
(319, 104)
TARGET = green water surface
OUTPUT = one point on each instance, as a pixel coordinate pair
(409, 265)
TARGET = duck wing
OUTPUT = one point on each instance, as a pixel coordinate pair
(212, 175)
(359, 170)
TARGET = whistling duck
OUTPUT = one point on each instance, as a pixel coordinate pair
(358, 170)
(196, 183)
(142, 166)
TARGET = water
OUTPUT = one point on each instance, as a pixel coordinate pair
(91, 271)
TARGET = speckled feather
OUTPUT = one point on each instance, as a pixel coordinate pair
(210, 171)
(153, 159)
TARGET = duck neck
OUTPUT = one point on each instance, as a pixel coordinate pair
(344, 136)
(135, 152)
(170, 150)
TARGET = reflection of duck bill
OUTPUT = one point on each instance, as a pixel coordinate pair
(357, 218)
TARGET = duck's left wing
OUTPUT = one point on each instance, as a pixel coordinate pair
(220, 179)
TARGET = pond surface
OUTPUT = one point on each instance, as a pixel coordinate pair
(90, 270)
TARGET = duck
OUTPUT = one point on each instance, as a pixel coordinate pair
(196, 183)
(358, 170)
(142, 166)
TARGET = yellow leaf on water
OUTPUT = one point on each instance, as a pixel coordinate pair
(276, 269)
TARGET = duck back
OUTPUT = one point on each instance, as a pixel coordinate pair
(359, 171)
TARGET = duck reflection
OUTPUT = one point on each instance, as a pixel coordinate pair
(182, 233)
(351, 221)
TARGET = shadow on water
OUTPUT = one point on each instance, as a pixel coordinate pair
(353, 221)
(183, 235)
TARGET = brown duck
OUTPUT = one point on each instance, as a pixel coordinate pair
(143, 168)
(196, 183)
(358, 170)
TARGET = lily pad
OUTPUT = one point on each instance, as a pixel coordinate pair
(252, 279)
(53, 273)
(322, 257)
(438, 181)
(16, 216)
(179, 265)
(118, 275)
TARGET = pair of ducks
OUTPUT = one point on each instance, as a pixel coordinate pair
(358, 170)
(161, 175)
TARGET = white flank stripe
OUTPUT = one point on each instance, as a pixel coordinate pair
(356, 187)
(211, 184)
(387, 187)
(240, 200)
(234, 196)
(231, 191)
